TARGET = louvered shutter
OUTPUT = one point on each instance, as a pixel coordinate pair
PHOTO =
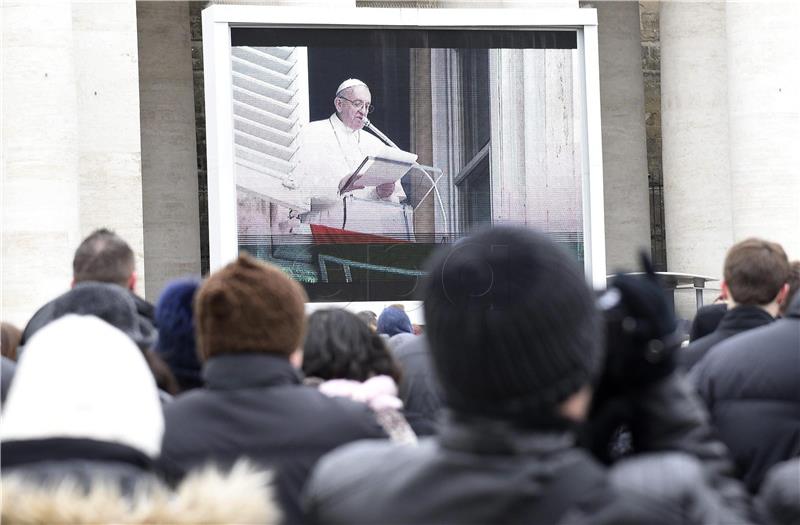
(270, 104)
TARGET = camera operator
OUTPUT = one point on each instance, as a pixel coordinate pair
(516, 341)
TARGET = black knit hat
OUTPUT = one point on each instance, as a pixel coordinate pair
(512, 324)
(249, 306)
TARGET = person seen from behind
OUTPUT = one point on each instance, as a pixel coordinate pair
(176, 339)
(343, 357)
(250, 320)
(516, 342)
(81, 434)
(756, 272)
(102, 257)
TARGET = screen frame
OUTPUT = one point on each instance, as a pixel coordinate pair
(218, 20)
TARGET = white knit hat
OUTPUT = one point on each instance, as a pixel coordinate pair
(80, 377)
(350, 82)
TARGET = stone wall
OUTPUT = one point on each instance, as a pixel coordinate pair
(169, 178)
(196, 34)
(651, 71)
(71, 150)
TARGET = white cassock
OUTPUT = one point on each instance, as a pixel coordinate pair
(328, 151)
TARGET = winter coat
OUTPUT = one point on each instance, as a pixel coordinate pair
(751, 386)
(399, 340)
(419, 387)
(480, 471)
(83, 481)
(735, 321)
(779, 498)
(81, 429)
(254, 406)
(7, 371)
(380, 394)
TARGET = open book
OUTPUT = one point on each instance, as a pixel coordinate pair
(388, 166)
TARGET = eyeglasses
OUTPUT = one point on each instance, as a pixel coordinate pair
(359, 104)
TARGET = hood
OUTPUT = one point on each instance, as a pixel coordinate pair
(208, 496)
(393, 321)
(80, 377)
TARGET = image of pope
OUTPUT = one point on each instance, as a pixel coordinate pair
(330, 150)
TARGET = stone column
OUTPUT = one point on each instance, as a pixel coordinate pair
(694, 104)
(627, 206)
(764, 100)
(169, 167)
(40, 227)
(109, 150)
(422, 131)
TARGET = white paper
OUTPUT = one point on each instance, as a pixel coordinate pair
(386, 167)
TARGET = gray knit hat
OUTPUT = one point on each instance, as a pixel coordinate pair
(110, 302)
(512, 324)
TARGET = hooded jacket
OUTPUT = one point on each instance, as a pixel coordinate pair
(80, 377)
(206, 496)
(86, 453)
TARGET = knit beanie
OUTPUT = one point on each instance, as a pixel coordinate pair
(393, 321)
(249, 306)
(175, 320)
(511, 323)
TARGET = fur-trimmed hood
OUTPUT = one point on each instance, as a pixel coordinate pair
(240, 496)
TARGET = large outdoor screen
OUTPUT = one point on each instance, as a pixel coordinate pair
(357, 151)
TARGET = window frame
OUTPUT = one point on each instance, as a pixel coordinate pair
(219, 19)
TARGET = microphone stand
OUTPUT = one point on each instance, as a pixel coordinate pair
(386, 140)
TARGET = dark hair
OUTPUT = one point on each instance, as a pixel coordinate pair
(338, 345)
(755, 271)
(165, 380)
(105, 257)
(369, 318)
(794, 285)
(10, 337)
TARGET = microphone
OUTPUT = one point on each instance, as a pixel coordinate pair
(378, 133)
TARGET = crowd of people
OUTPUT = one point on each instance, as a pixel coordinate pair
(526, 397)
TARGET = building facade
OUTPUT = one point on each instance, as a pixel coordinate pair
(103, 126)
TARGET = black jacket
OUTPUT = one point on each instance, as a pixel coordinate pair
(478, 471)
(779, 498)
(254, 406)
(751, 386)
(735, 321)
(49, 461)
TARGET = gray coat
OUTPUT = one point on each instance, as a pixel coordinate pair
(479, 471)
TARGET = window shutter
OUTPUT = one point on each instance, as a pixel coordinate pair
(270, 104)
